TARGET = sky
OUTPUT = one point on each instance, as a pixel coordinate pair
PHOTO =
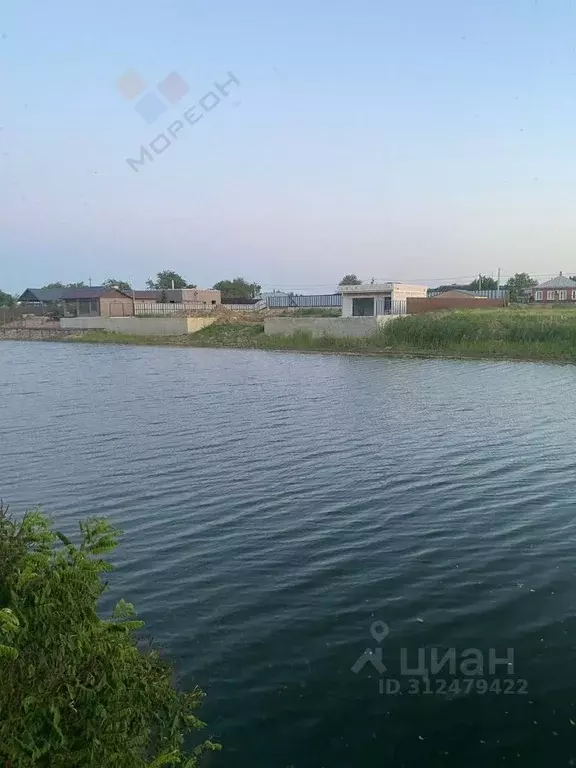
(415, 140)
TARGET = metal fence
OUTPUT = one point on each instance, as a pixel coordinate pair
(153, 308)
(285, 302)
(496, 293)
(385, 307)
(328, 301)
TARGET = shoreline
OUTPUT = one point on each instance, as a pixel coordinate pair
(497, 335)
(326, 346)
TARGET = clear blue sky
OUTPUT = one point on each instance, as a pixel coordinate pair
(413, 140)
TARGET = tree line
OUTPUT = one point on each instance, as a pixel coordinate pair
(239, 288)
(236, 288)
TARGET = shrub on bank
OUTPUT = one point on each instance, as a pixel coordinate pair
(440, 330)
(76, 689)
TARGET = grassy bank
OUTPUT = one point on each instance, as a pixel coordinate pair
(535, 335)
(511, 334)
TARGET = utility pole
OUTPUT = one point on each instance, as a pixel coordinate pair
(480, 281)
(498, 286)
(90, 282)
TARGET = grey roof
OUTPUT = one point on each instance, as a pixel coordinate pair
(63, 294)
(558, 282)
(456, 290)
(150, 295)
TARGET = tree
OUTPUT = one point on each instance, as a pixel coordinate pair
(122, 285)
(518, 284)
(451, 287)
(6, 299)
(350, 280)
(165, 279)
(238, 288)
(76, 689)
(65, 285)
(483, 283)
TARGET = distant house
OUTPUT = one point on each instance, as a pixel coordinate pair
(272, 294)
(206, 297)
(372, 299)
(559, 289)
(96, 301)
(457, 293)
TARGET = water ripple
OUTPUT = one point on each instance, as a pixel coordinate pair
(276, 505)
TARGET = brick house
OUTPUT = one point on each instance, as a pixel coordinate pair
(559, 289)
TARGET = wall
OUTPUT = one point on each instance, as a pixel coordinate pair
(141, 326)
(37, 334)
(417, 306)
(199, 296)
(116, 307)
(339, 327)
(403, 292)
(196, 324)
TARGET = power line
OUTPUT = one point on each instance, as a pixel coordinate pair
(376, 279)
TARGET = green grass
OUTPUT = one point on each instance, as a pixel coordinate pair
(316, 312)
(517, 333)
(506, 333)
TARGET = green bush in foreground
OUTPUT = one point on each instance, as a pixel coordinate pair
(76, 690)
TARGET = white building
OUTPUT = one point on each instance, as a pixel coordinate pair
(371, 299)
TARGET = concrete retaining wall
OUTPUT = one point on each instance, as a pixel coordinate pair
(38, 334)
(140, 326)
(339, 327)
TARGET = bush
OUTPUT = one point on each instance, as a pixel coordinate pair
(317, 312)
(443, 330)
(76, 690)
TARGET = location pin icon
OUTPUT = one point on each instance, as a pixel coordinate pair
(379, 630)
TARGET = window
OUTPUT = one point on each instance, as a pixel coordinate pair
(88, 307)
(573, 295)
(552, 295)
(561, 295)
(538, 295)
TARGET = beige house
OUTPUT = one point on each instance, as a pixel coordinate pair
(373, 299)
(197, 296)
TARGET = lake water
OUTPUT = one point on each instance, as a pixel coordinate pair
(277, 505)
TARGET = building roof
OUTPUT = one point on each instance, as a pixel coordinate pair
(559, 282)
(373, 288)
(456, 292)
(66, 294)
(148, 295)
